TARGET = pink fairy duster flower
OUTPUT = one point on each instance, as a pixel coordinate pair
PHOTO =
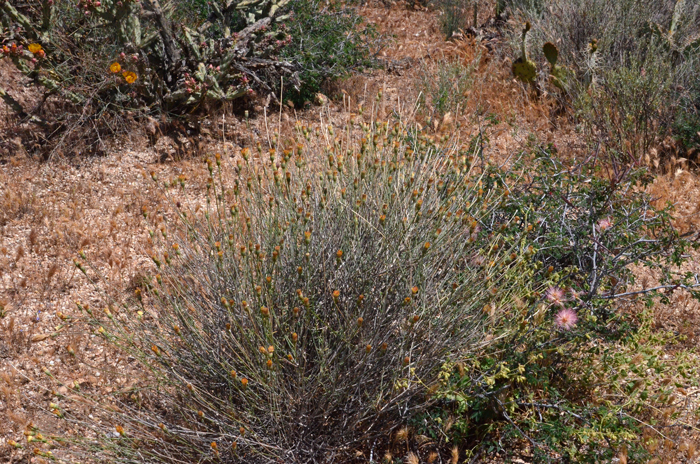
(556, 296)
(575, 295)
(604, 224)
(566, 319)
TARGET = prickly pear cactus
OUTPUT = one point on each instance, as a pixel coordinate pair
(255, 10)
(523, 68)
(551, 53)
(557, 74)
(146, 57)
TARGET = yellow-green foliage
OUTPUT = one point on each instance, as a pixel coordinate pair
(524, 69)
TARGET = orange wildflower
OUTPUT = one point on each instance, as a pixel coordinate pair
(115, 67)
(129, 76)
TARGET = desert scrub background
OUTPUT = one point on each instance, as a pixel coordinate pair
(572, 371)
(628, 64)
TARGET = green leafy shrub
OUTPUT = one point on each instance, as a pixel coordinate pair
(328, 43)
(443, 89)
(580, 378)
(687, 126)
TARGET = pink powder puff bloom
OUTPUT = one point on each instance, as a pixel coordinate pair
(604, 224)
(566, 319)
(556, 295)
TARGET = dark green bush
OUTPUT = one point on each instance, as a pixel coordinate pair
(328, 43)
(687, 125)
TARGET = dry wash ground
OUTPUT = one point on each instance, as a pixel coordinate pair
(51, 211)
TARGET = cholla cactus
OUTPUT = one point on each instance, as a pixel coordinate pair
(589, 75)
(679, 45)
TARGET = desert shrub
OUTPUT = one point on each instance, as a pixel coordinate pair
(456, 15)
(310, 306)
(335, 288)
(581, 377)
(612, 51)
(634, 109)
(687, 125)
(444, 86)
(125, 58)
(327, 43)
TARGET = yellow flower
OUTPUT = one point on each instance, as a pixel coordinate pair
(34, 48)
(115, 67)
(129, 76)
